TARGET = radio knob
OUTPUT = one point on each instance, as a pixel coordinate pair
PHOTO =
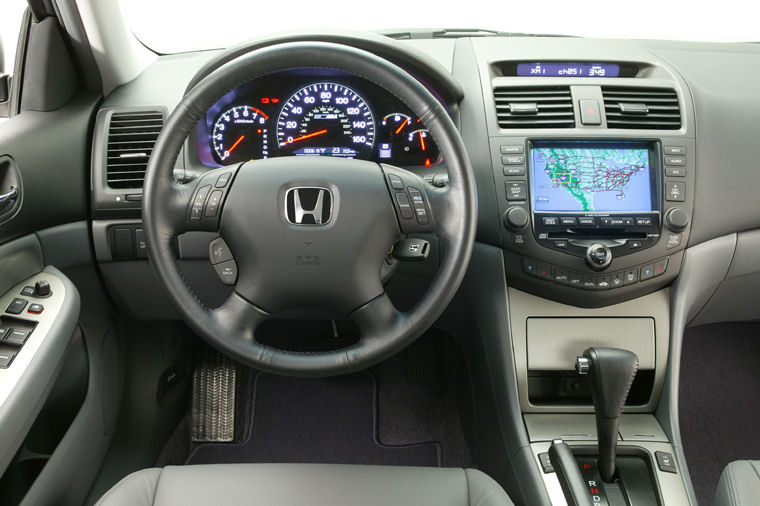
(598, 256)
(516, 218)
(676, 219)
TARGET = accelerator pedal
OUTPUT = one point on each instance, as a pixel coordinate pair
(213, 407)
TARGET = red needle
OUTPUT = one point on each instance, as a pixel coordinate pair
(401, 127)
(236, 143)
(308, 135)
(422, 141)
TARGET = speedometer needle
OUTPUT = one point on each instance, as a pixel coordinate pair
(308, 136)
(236, 143)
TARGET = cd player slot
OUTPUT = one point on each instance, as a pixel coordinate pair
(595, 234)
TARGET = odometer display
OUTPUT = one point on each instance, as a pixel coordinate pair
(326, 119)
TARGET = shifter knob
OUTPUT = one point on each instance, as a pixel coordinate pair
(610, 375)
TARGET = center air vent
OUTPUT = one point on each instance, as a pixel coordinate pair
(650, 108)
(534, 107)
(131, 136)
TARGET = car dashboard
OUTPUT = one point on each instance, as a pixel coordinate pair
(613, 189)
(313, 112)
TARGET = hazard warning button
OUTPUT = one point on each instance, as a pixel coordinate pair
(590, 114)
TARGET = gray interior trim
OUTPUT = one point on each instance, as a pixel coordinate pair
(66, 246)
(21, 259)
(735, 299)
(554, 343)
(704, 267)
(483, 296)
(577, 427)
(38, 369)
(49, 77)
(523, 306)
(90, 434)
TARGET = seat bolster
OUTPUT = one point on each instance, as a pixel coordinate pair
(484, 491)
(306, 484)
(739, 484)
(136, 489)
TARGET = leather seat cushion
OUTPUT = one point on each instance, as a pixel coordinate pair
(739, 484)
(305, 484)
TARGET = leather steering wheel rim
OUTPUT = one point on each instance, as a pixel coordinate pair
(231, 327)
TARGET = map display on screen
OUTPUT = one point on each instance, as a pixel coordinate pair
(575, 179)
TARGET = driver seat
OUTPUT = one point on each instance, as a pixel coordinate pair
(305, 484)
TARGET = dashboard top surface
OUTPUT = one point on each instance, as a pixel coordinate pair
(713, 83)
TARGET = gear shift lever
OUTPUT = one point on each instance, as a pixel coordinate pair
(610, 375)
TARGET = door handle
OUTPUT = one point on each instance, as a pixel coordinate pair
(9, 198)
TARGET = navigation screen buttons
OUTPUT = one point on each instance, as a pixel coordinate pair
(515, 150)
(550, 221)
(676, 161)
(586, 221)
(675, 192)
(675, 150)
(516, 191)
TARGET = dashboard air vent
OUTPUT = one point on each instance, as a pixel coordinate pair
(534, 107)
(131, 136)
(650, 108)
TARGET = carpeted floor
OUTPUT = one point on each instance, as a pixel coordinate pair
(719, 400)
(401, 412)
(322, 420)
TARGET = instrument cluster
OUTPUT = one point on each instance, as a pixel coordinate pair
(313, 112)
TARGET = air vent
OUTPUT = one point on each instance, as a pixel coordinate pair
(650, 108)
(534, 107)
(131, 136)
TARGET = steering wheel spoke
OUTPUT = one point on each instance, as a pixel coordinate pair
(411, 200)
(237, 319)
(200, 202)
(376, 317)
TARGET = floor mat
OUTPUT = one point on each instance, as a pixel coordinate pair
(719, 400)
(325, 420)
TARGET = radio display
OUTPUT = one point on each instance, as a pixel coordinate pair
(593, 177)
(548, 69)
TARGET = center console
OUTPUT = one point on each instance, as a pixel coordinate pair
(593, 221)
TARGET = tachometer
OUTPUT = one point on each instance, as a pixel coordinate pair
(240, 134)
(326, 119)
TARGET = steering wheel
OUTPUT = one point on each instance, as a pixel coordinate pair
(309, 232)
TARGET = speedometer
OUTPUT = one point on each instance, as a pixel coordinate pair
(326, 119)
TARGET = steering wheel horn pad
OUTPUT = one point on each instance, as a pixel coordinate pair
(334, 265)
(331, 261)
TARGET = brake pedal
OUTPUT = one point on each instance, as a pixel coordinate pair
(213, 407)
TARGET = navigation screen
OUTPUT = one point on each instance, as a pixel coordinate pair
(595, 178)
